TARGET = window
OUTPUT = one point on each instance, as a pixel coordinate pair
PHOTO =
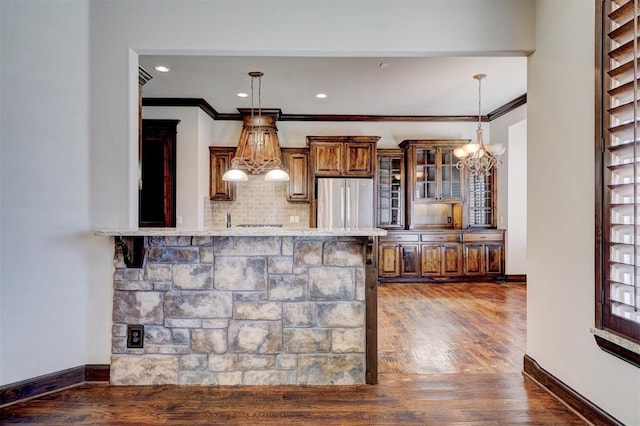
(618, 179)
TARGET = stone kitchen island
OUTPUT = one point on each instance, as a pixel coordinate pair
(244, 306)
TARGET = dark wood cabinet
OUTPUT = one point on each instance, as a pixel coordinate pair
(219, 162)
(435, 188)
(432, 172)
(342, 155)
(390, 189)
(389, 259)
(441, 256)
(484, 254)
(296, 162)
(399, 255)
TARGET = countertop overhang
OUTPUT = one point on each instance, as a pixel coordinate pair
(243, 232)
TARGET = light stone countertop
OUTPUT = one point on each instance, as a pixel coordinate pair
(243, 232)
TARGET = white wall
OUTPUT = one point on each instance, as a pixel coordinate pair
(516, 236)
(560, 264)
(52, 297)
(187, 157)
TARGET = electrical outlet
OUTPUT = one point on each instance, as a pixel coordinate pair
(292, 219)
(448, 219)
(297, 219)
(135, 336)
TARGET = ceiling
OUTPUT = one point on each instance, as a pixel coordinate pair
(392, 86)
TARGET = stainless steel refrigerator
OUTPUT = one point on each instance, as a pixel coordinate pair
(344, 203)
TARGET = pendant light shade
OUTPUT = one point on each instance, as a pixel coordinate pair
(258, 149)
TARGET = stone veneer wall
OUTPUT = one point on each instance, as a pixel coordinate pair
(242, 311)
(257, 201)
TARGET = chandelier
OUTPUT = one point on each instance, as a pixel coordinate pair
(476, 157)
(258, 149)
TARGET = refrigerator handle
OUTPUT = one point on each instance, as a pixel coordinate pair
(342, 201)
(348, 208)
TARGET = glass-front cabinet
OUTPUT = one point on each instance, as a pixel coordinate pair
(390, 189)
(436, 177)
(435, 186)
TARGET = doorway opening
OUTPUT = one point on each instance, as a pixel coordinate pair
(157, 193)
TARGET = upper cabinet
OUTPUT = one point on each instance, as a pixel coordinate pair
(432, 172)
(219, 161)
(435, 194)
(342, 155)
(296, 162)
(390, 182)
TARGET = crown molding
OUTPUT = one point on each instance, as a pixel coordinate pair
(215, 115)
(507, 108)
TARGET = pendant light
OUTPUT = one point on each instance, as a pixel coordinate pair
(476, 157)
(258, 149)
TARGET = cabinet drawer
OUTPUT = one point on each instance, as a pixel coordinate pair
(497, 236)
(453, 237)
(400, 237)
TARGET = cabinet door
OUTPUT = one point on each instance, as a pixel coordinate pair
(219, 162)
(425, 174)
(430, 260)
(389, 260)
(473, 259)
(409, 266)
(297, 164)
(451, 259)
(450, 177)
(493, 254)
(390, 189)
(327, 158)
(358, 159)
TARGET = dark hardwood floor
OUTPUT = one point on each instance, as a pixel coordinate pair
(451, 328)
(449, 355)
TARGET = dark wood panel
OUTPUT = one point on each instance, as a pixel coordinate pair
(97, 373)
(359, 159)
(37, 386)
(211, 112)
(296, 162)
(219, 162)
(40, 385)
(327, 159)
(587, 409)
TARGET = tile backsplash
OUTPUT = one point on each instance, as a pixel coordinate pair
(257, 202)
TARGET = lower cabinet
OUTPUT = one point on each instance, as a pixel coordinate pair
(399, 256)
(484, 254)
(441, 255)
(441, 260)
(388, 260)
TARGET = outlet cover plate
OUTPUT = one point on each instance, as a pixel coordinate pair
(135, 336)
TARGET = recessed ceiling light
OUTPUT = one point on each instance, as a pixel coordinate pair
(242, 95)
(162, 68)
(321, 95)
